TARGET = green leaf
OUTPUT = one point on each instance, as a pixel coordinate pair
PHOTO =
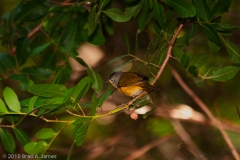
(97, 82)
(93, 19)
(211, 34)
(97, 102)
(22, 51)
(35, 147)
(117, 58)
(223, 74)
(126, 38)
(39, 49)
(11, 99)
(48, 90)
(202, 9)
(81, 133)
(161, 55)
(133, 9)
(227, 26)
(32, 10)
(142, 20)
(193, 70)
(117, 15)
(220, 7)
(211, 69)
(3, 108)
(158, 13)
(191, 32)
(178, 53)
(81, 120)
(81, 89)
(233, 50)
(23, 80)
(37, 73)
(199, 60)
(81, 61)
(183, 8)
(155, 44)
(31, 103)
(7, 62)
(185, 59)
(45, 133)
(70, 150)
(22, 136)
(7, 141)
(62, 75)
(213, 47)
(103, 3)
(68, 94)
(122, 65)
(96, 38)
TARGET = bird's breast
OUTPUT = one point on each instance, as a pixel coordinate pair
(131, 91)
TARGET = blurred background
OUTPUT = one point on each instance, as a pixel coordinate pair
(160, 135)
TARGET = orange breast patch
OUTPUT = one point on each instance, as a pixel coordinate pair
(131, 90)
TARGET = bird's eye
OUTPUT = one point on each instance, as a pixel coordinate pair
(112, 80)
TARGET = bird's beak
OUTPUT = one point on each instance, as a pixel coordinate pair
(106, 81)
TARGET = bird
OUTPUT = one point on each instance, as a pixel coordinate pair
(130, 83)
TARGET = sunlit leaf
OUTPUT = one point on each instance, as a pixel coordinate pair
(35, 147)
(31, 103)
(11, 99)
(45, 133)
(3, 108)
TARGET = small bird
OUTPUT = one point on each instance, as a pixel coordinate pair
(130, 83)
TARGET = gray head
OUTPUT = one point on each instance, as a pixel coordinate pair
(114, 77)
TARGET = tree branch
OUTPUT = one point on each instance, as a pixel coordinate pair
(207, 111)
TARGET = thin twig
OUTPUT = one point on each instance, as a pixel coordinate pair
(207, 111)
(187, 139)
